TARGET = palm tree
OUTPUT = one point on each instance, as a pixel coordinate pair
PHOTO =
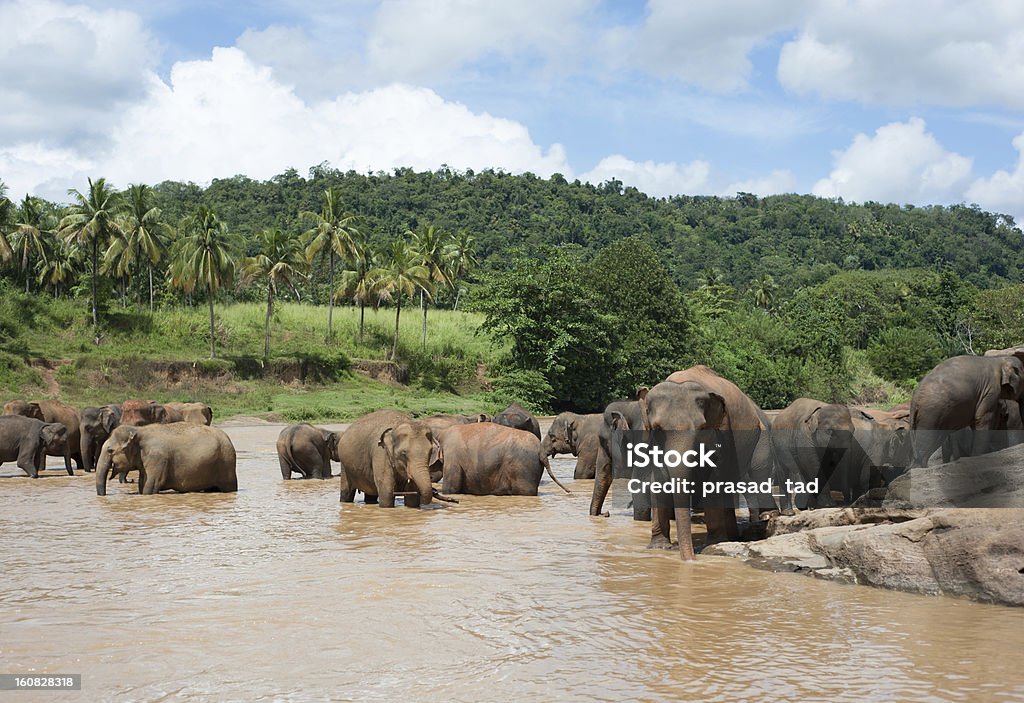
(146, 233)
(281, 259)
(402, 273)
(31, 232)
(59, 266)
(204, 258)
(6, 216)
(763, 291)
(91, 221)
(431, 244)
(335, 231)
(460, 260)
(356, 282)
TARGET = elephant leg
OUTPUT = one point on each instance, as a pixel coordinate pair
(151, 480)
(286, 469)
(384, 479)
(602, 482)
(985, 424)
(660, 521)
(925, 444)
(370, 499)
(67, 465)
(721, 524)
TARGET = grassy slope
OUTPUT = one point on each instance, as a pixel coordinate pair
(444, 378)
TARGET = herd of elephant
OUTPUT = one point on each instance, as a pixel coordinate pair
(965, 405)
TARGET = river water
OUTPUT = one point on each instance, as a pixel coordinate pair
(278, 593)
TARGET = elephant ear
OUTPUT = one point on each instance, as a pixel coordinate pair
(387, 442)
(619, 421)
(715, 412)
(36, 411)
(1010, 378)
(436, 453)
(110, 421)
(641, 396)
(812, 419)
(571, 434)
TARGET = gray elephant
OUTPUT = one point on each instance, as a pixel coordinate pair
(1009, 431)
(696, 411)
(53, 411)
(518, 417)
(140, 413)
(618, 416)
(963, 392)
(577, 435)
(884, 440)
(307, 451)
(195, 413)
(181, 457)
(490, 459)
(28, 441)
(387, 452)
(815, 442)
(94, 429)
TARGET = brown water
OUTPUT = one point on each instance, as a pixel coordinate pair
(278, 593)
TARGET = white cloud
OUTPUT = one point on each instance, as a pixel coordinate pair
(66, 69)
(425, 39)
(226, 115)
(940, 52)
(656, 179)
(1003, 191)
(300, 61)
(901, 163)
(776, 182)
(701, 43)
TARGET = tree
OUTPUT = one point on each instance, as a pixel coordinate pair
(335, 231)
(6, 216)
(280, 260)
(60, 265)
(431, 244)
(146, 233)
(90, 222)
(31, 232)
(356, 282)
(400, 273)
(461, 260)
(763, 291)
(203, 257)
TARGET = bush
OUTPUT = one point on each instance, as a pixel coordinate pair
(903, 354)
(529, 388)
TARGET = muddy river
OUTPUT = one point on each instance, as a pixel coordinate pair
(278, 593)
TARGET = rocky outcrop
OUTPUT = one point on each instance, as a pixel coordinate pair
(955, 529)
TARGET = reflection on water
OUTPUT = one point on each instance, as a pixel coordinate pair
(280, 593)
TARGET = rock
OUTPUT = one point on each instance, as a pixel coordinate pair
(955, 529)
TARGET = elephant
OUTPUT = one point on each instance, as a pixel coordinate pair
(518, 417)
(618, 416)
(95, 426)
(195, 413)
(181, 457)
(307, 450)
(28, 441)
(886, 448)
(962, 392)
(577, 435)
(814, 440)
(387, 452)
(688, 412)
(54, 411)
(1009, 430)
(139, 413)
(487, 459)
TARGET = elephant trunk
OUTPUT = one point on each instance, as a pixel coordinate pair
(547, 466)
(102, 473)
(419, 474)
(686, 552)
(85, 447)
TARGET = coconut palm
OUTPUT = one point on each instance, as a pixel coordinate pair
(460, 260)
(336, 232)
(90, 222)
(400, 274)
(146, 233)
(203, 258)
(6, 216)
(60, 265)
(431, 244)
(30, 234)
(281, 259)
(763, 291)
(356, 282)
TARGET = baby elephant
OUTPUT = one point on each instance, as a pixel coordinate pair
(28, 441)
(489, 459)
(307, 450)
(181, 457)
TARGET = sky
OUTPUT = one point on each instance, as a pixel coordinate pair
(917, 101)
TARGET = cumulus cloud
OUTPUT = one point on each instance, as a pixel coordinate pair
(225, 116)
(1003, 191)
(653, 178)
(424, 39)
(941, 52)
(66, 69)
(778, 181)
(901, 163)
(300, 61)
(703, 44)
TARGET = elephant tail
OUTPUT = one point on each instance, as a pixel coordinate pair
(547, 466)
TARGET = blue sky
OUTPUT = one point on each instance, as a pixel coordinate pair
(913, 102)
